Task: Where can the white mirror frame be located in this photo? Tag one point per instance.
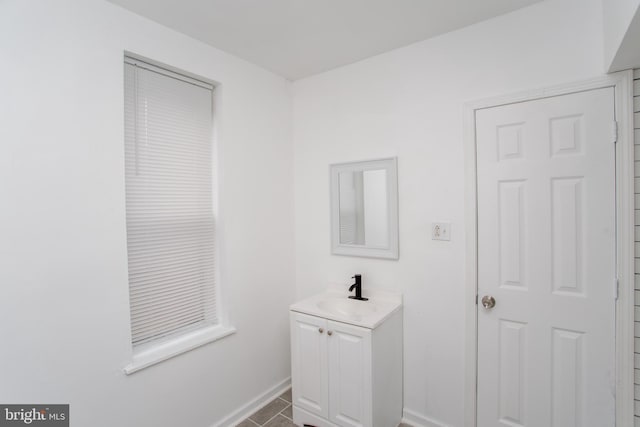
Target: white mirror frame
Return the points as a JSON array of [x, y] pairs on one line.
[[390, 165]]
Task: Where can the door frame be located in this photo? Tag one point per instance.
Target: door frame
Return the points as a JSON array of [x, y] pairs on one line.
[[622, 82]]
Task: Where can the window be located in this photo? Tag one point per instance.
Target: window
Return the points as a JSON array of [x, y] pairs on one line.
[[171, 231]]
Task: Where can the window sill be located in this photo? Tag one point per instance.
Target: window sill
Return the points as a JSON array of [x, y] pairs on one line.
[[166, 350]]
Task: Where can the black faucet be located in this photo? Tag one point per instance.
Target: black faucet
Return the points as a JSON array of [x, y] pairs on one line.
[[358, 286]]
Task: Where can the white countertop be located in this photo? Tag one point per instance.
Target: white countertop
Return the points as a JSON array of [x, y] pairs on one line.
[[334, 304]]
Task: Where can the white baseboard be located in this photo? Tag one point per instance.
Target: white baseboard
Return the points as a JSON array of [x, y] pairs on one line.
[[246, 410], [419, 420]]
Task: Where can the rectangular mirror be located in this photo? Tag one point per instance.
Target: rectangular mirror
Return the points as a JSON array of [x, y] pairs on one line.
[[364, 208]]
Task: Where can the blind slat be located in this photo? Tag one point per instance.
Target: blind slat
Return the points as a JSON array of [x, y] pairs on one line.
[[143, 301], [181, 324], [168, 308], [177, 275]]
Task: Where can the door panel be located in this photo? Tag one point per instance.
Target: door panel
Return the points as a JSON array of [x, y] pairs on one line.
[[309, 363], [566, 235], [350, 392], [546, 253], [511, 198], [512, 371], [567, 378]]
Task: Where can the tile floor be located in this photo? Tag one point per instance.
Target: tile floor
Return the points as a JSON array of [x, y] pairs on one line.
[[276, 413]]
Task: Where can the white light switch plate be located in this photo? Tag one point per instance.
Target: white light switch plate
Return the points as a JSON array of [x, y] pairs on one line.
[[441, 231]]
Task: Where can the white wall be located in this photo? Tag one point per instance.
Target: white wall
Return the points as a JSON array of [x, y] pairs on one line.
[[64, 327], [409, 103], [617, 19]]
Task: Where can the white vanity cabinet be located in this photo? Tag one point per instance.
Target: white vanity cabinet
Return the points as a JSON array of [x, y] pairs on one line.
[[346, 375]]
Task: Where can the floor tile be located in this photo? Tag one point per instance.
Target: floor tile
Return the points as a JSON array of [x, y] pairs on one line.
[[286, 396], [247, 423], [288, 412], [266, 413], [280, 421]]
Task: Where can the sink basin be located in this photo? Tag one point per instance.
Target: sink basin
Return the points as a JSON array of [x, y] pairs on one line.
[[350, 308], [334, 304]]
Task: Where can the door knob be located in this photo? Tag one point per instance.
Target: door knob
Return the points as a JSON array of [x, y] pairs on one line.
[[488, 301]]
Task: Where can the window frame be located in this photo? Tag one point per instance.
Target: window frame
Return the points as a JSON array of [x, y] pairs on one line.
[[164, 348]]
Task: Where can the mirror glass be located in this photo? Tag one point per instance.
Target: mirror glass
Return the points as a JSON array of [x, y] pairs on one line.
[[365, 208]]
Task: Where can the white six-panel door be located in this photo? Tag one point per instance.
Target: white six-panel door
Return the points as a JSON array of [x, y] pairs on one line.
[[546, 254]]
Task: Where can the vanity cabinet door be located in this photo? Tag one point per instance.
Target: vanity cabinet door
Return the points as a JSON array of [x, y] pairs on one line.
[[350, 391], [309, 375]]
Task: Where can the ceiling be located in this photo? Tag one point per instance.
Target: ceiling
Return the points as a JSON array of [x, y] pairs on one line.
[[299, 38]]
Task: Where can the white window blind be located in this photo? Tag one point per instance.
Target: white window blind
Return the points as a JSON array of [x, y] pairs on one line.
[[169, 199]]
